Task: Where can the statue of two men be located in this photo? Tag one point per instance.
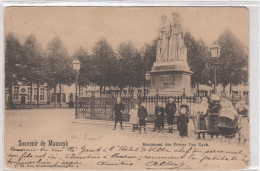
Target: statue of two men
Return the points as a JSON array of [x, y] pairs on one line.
[[171, 45]]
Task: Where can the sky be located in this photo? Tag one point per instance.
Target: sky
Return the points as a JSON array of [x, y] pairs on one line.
[[84, 26]]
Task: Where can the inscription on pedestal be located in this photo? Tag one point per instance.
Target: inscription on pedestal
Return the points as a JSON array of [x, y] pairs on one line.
[[163, 81]]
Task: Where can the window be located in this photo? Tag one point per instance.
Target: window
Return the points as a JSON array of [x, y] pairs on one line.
[[48, 96], [16, 92], [125, 92], [235, 93], [29, 93], [245, 93], [52, 97], [42, 94], [35, 94], [64, 97]]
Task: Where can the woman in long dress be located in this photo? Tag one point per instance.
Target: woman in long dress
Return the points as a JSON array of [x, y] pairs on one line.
[[242, 110], [212, 115]]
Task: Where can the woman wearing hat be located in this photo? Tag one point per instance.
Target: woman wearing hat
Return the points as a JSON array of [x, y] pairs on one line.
[[242, 110], [213, 113]]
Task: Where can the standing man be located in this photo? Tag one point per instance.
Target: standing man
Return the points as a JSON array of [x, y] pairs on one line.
[[170, 110], [118, 111]]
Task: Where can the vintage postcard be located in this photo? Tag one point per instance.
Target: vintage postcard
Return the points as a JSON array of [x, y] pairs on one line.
[[126, 88]]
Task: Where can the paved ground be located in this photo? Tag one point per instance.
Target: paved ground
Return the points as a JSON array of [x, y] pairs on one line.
[[61, 122], [60, 125]]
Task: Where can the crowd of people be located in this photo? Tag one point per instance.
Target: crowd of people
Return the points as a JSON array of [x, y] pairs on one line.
[[202, 118]]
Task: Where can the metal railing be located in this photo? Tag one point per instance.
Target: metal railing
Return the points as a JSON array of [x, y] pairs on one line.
[[102, 107]]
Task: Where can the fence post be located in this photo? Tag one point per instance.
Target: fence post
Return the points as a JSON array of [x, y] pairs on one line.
[[92, 106], [156, 98]]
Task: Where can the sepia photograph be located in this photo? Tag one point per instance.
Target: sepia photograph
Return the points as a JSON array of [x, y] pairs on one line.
[[126, 88]]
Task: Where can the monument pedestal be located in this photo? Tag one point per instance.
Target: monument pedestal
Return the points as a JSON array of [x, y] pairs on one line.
[[171, 74], [171, 78]]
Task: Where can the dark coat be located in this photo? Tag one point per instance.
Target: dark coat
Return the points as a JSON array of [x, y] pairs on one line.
[[118, 108], [170, 109], [160, 110], [182, 124], [159, 113], [142, 112], [214, 107]]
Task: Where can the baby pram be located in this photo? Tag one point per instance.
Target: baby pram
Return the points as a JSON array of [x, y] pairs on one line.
[[228, 123]]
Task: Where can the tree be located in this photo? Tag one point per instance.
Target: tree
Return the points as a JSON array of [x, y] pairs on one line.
[[104, 68], [59, 64], [197, 55], [149, 55], [233, 59], [34, 64], [125, 62], [13, 64]]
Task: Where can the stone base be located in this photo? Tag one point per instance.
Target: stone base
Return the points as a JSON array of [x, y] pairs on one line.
[[170, 79]]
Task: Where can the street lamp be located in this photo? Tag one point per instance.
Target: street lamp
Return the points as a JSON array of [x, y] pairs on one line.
[[147, 76], [147, 79], [215, 52], [76, 68]]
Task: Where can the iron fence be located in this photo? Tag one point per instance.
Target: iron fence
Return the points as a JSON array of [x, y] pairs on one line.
[[102, 107]]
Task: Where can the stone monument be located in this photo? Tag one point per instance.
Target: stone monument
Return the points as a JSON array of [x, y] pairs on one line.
[[170, 74]]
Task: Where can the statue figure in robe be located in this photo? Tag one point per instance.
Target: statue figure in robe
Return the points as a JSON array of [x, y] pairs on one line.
[[163, 41], [177, 49]]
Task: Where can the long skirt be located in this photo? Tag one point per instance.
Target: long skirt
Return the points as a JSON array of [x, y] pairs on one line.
[[244, 124], [202, 123], [212, 126]]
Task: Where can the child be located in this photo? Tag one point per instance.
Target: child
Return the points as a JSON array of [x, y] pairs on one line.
[[183, 120], [142, 114], [134, 117], [170, 110], [159, 121]]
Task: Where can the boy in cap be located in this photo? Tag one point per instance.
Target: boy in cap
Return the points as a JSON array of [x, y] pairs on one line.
[[170, 110], [159, 121]]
